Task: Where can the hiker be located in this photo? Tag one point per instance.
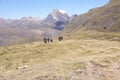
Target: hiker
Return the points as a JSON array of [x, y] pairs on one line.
[[48, 40], [51, 40], [60, 38], [105, 27], [45, 40]]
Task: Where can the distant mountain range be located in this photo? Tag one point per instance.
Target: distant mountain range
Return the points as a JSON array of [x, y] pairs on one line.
[[36, 22], [28, 29]]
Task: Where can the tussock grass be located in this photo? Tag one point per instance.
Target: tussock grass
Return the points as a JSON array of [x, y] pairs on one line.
[[92, 34], [58, 58]]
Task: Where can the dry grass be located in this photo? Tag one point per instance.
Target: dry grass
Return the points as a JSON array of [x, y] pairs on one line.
[[58, 59]]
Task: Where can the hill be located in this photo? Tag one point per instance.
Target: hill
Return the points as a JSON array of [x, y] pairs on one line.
[[71, 59], [101, 19]]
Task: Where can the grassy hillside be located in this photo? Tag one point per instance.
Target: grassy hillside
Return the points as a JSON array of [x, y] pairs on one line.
[[78, 57], [103, 18], [115, 27]]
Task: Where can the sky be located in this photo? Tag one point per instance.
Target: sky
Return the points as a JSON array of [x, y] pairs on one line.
[[15, 9]]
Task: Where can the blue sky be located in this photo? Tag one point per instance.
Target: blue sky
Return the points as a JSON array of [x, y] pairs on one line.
[[16, 9]]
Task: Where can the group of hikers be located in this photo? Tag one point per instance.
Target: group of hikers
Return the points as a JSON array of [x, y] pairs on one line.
[[47, 40]]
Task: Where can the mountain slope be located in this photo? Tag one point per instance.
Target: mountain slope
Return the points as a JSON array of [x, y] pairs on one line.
[[97, 19], [115, 27]]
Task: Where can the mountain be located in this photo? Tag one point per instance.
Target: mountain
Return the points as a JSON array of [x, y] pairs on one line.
[[58, 18], [29, 29], [58, 15], [100, 18], [26, 29], [29, 22]]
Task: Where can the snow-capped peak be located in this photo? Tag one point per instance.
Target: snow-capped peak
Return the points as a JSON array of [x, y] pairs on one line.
[[62, 11], [57, 15]]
